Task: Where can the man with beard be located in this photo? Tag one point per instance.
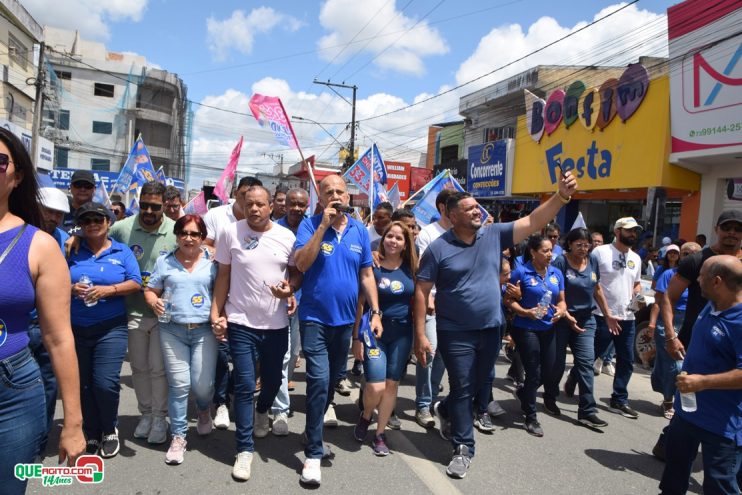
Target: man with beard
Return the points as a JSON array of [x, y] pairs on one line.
[[620, 275], [149, 235]]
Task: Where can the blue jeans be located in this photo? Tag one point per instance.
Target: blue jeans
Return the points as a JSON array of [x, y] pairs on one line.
[[282, 404], [100, 353], [583, 348], [246, 344], [389, 359], [721, 460], [47, 376], [537, 350], [624, 343], [469, 357], [23, 420], [428, 378], [190, 364], [484, 395], [666, 368], [223, 380], [326, 353]]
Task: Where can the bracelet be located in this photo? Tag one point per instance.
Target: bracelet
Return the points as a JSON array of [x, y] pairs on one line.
[[563, 199], [356, 339], [671, 338]]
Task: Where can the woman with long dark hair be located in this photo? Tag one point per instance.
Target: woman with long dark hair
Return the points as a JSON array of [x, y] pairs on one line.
[[31, 259]]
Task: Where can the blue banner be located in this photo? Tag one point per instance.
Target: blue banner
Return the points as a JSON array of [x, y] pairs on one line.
[[425, 210], [379, 166], [61, 177], [487, 169], [360, 173]]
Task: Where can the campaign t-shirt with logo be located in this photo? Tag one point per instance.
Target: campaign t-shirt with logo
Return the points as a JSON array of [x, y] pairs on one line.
[[191, 291], [618, 274], [579, 286], [395, 289], [257, 260], [533, 286], [330, 286]]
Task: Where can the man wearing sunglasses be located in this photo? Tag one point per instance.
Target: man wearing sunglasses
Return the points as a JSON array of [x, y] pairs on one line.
[[82, 187], [149, 234]]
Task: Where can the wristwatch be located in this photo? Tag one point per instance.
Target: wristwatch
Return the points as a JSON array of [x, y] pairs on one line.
[[376, 312]]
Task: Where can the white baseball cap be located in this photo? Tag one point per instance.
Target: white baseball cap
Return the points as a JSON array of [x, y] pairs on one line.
[[54, 199]]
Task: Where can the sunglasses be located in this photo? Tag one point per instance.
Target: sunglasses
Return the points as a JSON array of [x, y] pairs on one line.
[[78, 185], [4, 162], [116, 211], [187, 233], [92, 219], [728, 227], [150, 206]]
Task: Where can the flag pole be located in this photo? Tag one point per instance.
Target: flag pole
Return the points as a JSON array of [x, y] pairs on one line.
[[312, 179]]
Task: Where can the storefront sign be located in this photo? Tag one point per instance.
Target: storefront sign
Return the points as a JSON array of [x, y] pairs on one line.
[[45, 154], [398, 173], [734, 189], [62, 176], [487, 169]]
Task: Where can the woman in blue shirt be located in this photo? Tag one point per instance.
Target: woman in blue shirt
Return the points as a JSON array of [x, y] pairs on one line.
[[385, 359], [581, 292], [670, 260], [189, 347], [99, 323], [533, 326]]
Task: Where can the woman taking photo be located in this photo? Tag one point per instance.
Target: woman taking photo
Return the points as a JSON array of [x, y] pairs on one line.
[[540, 307], [577, 328], [99, 323], [385, 359], [32, 260], [189, 347]]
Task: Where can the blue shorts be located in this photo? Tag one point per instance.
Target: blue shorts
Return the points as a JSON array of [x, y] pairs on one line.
[[388, 360]]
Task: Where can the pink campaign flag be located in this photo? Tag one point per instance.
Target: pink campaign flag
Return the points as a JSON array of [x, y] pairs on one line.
[[196, 206], [224, 184], [269, 110]]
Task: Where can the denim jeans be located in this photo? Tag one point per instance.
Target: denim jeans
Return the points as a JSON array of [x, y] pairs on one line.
[[583, 349], [469, 357], [484, 395], [393, 352], [282, 404], [624, 343], [223, 380], [100, 354], [326, 353], [428, 378], [537, 349], [23, 420], [190, 364], [666, 368], [721, 460], [245, 345], [47, 377]]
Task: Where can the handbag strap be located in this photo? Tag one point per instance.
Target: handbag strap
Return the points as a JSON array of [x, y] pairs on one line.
[[12, 243]]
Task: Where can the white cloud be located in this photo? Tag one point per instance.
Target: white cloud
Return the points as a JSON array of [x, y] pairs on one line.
[[399, 42], [617, 40], [90, 17], [238, 31]]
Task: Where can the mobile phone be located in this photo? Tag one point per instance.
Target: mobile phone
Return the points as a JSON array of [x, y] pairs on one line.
[[343, 208], [561, 171]]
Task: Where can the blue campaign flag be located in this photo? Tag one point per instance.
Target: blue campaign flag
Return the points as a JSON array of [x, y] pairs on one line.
[[378, 166], [425, 210], [380, 194], [145, 170], [138, 167], [393, 195], [360, 173], [160, 174], [133, 206]]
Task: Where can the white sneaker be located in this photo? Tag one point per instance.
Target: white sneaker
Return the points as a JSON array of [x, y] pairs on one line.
[[261, 425], [609, 368], [158, 433], [331, 420], [311, 474], [144, 426], [241, 469], [221, 421], [280, 424], [597, 366]]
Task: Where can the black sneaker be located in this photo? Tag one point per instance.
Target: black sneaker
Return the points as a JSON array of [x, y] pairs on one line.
[[658, 451], [624, 410], [483, 423], [460, 462], [110, 445], [357, 369], [569, 386], [92, 446], [534, 428], [551, 407], [592, 421]]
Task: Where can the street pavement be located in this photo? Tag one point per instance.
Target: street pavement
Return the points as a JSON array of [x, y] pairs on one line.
[[569, 459]]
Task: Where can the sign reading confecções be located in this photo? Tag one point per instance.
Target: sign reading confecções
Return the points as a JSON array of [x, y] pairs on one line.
[[487, 169]]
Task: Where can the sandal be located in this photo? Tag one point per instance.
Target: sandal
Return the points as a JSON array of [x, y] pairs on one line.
[[668, 410]]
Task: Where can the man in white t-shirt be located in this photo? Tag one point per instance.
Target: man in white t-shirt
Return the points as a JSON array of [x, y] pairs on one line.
[[379, 220], [429, 377], [250, 309], [620, 275]]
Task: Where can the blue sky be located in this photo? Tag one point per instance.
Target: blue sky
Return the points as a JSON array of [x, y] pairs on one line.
[[395, 51]]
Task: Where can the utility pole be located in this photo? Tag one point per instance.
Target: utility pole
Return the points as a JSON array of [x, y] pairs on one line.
[[351, 146], [38, 106]]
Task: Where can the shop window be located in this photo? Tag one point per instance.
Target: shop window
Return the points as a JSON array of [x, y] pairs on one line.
[[63, 120], [101, 164], [61, 157], [497, 133], [102, 89], [102, 127]]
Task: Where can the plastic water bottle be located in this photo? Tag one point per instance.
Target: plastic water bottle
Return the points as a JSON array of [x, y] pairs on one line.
[[168, 303], [543, 305], [688, 399], [84, 279]]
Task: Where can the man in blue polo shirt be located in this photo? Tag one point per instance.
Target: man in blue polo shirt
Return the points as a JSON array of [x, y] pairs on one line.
[[334, 253], [712, 371], [463, 263]]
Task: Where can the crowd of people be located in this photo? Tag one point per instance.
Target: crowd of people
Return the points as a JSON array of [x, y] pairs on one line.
[[223, 308]]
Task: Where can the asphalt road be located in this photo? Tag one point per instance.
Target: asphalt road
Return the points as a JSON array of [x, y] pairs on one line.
[[569, 459]]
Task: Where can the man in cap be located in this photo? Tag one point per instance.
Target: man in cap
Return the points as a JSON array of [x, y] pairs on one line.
[[82, 187], [620, 275]]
